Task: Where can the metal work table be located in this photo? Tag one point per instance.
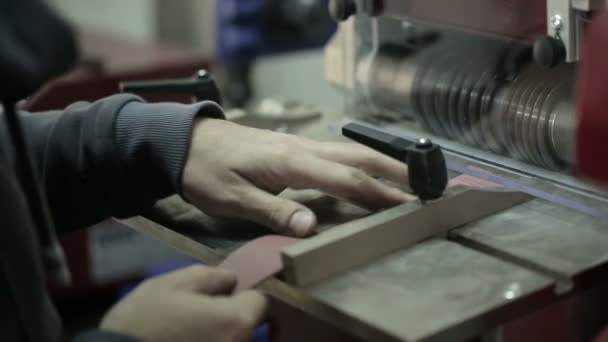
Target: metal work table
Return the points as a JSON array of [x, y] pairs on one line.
[[487, 274]]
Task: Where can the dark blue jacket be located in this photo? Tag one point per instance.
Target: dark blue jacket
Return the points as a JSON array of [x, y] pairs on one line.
[[114, 157]]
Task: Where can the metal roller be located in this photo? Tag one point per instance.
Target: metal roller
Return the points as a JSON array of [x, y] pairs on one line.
[[462, 94]]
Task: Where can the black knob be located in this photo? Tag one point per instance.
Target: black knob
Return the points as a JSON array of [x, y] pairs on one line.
[[428, 174], [201, 86], [341, 10], [427, 171], [206, 88], [549, 52]]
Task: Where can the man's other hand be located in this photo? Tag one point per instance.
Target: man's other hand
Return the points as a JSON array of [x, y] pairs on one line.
[[236, 171], [192, 304]]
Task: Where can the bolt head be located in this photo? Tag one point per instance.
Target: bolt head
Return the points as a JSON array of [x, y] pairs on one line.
[[557, 21], [424, 143]]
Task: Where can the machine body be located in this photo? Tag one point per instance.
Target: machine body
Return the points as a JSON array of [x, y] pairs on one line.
[[515, 93], [504, 77]]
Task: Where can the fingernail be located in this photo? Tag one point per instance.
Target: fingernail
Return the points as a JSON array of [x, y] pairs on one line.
[[302, 222]]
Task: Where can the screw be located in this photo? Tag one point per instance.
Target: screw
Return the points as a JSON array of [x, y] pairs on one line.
[[557, 22], [202, 73], [424, 143]]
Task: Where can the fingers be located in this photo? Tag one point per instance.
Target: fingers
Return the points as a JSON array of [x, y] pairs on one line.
[[362, 157], [202, 279], [279, 214], [344, 182], [241, 314], [253, 303]]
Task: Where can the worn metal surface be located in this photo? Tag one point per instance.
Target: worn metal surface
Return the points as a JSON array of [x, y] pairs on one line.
[[559, 240], [432, 290], [224, 236]]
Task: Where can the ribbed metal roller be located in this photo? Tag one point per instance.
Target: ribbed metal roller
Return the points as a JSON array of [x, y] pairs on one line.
[[516, 110], [459, 91]]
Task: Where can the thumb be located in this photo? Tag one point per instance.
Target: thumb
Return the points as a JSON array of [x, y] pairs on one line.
[[202, 279], [279, 214], [252, 304], [240, 314]]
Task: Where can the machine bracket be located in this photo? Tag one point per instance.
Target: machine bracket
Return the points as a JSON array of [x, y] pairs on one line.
[[564, 23]]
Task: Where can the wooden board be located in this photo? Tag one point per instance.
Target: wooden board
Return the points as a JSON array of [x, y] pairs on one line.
[[357, 242]]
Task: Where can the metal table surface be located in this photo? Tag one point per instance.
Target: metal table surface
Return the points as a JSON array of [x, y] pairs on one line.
[[493, 271], [551, 239], [436, 290]]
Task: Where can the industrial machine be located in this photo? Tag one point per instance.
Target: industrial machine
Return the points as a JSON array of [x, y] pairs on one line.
[[503, 85], [515, 94], [504, 96]]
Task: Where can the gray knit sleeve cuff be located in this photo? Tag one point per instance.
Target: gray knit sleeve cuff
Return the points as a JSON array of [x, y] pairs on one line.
[[154, 139]]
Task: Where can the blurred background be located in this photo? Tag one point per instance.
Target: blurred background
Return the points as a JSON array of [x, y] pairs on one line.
[[283, 48]]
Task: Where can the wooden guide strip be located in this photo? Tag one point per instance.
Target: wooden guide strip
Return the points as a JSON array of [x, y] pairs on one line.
[[357, 242]]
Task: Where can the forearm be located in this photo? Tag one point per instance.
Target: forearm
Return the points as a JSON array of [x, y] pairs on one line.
[[113, 157]]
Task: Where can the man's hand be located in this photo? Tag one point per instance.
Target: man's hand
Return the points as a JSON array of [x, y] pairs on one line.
[[192, 304], [236, 171]]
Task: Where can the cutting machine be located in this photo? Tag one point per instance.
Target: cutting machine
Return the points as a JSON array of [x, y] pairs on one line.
[[513, 93], [507, 95], [517, 78]]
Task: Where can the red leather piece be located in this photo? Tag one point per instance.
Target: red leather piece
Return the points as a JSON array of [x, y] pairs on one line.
[[257, 260]]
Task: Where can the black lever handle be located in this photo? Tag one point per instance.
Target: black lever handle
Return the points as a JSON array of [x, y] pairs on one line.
[[428, 175], [201, 86]]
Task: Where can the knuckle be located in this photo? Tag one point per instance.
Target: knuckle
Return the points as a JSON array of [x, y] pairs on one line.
[[232, 197], [359, 186], [276, 216], [370, 160], [290, 158], [283, 150], [358, 177], [291, 154]]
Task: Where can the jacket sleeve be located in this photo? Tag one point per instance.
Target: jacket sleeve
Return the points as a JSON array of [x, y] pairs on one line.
[[113, 157]]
